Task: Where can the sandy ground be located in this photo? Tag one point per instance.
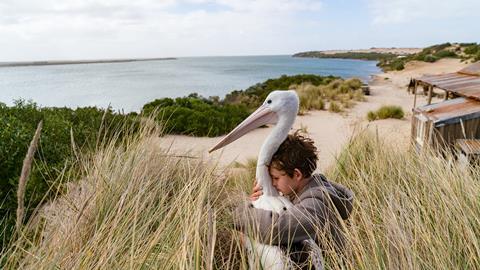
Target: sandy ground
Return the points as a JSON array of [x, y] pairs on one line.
[[330, 131]]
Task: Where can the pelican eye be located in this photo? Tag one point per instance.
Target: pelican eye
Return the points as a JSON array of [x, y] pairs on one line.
[[269, 101]]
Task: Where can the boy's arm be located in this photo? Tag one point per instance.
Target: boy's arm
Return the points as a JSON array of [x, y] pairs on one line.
[[297, 223]]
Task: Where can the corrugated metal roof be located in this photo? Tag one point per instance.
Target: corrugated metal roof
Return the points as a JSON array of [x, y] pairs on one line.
[[469, 146], [451, 110], [465, 82]]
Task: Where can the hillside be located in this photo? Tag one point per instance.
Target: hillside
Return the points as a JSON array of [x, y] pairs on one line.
[[396, 58]]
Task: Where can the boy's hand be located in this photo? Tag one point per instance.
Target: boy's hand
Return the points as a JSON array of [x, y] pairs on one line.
[[256, 192]]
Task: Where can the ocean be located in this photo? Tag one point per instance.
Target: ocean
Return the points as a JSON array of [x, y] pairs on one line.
[[128, 86]]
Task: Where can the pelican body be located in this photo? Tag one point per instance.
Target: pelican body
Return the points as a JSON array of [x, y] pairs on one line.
[[280, 108]]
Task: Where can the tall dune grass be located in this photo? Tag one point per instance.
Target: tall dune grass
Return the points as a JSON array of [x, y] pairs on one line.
[[412, 211], [343, 93], [135, 206]]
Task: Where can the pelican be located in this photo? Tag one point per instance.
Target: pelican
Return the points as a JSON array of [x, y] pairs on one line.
[[280, 108]]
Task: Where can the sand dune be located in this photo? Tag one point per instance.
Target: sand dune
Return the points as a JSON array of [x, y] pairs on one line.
[[330, 131]]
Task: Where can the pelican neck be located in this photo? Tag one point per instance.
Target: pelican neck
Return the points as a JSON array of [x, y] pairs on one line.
[[268, 149]]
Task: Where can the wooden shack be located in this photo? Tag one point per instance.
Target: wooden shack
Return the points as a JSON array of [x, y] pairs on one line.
[[440, 125], [463, 83]]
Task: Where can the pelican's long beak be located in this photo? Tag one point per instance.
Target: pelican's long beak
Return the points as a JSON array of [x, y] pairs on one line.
[[262, 116]]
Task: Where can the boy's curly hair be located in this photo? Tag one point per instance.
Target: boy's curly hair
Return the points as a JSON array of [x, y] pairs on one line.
[[296, 152]]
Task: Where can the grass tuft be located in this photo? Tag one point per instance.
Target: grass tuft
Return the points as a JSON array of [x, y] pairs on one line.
[[346, 92], [386, 112]]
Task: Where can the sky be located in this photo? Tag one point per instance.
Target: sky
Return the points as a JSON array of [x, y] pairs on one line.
[[106, 29]]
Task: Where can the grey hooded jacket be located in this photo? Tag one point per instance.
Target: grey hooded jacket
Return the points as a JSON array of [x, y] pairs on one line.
[[315, 214]]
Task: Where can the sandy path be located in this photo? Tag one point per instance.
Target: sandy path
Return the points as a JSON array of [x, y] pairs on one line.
[[330, 131]]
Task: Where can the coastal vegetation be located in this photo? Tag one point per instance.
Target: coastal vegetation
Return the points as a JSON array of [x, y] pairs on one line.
[[373, 56], [384, 112], [196, 115], [392, 61], [138, 206], [254, 95], [199, 116], [65, 132], [464, 51]]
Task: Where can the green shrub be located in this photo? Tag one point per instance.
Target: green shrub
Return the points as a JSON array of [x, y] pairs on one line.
[[390, 112], [445, 53], [17, 126], [472, 49], [386, 112], [195, 115], [439, 47], [397, 65], [430, 58]]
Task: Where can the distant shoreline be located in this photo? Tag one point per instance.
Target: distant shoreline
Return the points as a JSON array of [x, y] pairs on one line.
[[396, 51], [78, 62]]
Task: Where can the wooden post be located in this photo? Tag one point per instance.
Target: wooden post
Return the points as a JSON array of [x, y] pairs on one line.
[[411, 84], [430, 93], [430, 132], [415, 94]]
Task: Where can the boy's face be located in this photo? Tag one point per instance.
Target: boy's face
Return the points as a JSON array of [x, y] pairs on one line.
[[283, 182]]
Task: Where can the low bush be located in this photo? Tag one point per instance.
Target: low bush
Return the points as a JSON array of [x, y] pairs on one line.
[[445, 53], [430, 58], [195, 115], [397, 64], [472, 49]]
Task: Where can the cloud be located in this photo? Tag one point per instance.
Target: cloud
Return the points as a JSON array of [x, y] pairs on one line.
[[401, 11], [148, 28]]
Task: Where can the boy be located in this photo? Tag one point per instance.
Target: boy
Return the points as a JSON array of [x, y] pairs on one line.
[[316, 201]]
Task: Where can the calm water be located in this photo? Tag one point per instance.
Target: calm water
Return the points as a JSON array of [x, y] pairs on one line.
[[129, 86]]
